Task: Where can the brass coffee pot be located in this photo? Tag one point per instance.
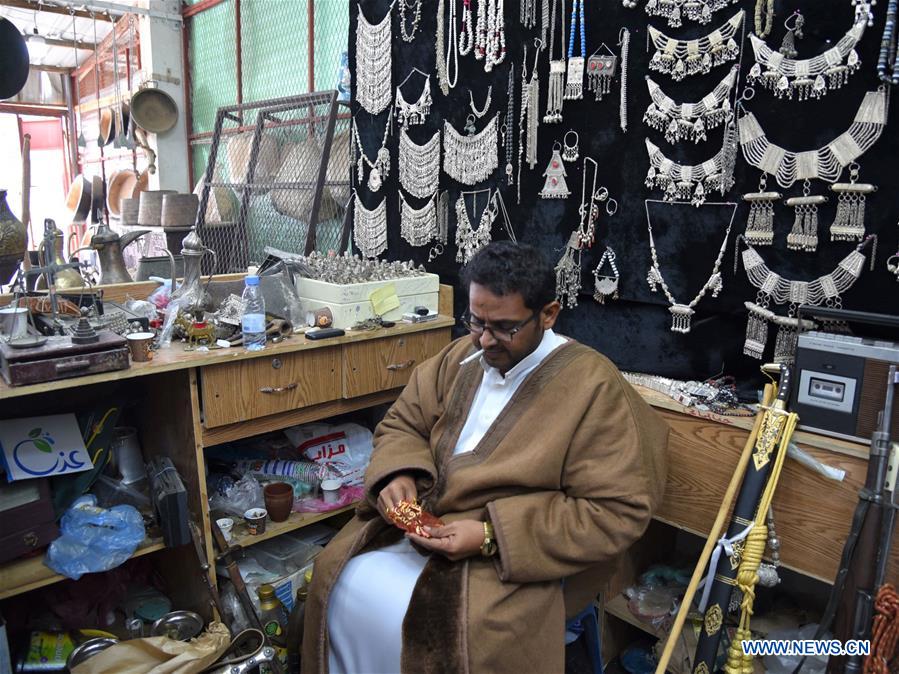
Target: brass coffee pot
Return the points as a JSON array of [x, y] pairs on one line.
[[192, 292], [66, 277], [109, 245]]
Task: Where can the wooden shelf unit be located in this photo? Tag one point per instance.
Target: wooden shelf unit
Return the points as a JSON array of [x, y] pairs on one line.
[[242, 537]]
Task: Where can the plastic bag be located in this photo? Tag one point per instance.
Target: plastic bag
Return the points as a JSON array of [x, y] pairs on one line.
[[344, 448], [94, 539], [238, 497]]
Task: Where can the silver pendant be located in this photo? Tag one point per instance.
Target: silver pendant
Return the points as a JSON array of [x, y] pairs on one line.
[[374, 179]]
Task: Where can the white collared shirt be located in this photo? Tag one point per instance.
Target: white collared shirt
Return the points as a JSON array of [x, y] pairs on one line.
[[497, 390]]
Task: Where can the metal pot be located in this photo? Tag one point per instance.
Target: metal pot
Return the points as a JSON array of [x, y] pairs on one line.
[[14, 57], [107, 126], [78, 199], [153, 109], [87, 650], [121, 186]]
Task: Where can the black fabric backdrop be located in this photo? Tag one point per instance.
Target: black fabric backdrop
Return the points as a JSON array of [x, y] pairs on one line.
[[635, 330]]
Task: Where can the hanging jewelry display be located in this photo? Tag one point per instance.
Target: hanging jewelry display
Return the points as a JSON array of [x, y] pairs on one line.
[[415, 6], [413, 114], [574, 81], [528, 13], [682, 58], [794, 32], [606, 285], [772, 286], [695, 10], [570, 152], [468, 239], [555, 186], [466, 32], [508, 126], [887, 62], [419, 165], [682, 314], [804, 234], [418, 226], [624, 42], [554, 93], [689, 121], [893, 265], [601, 71], [764, 17], [470, 159], [370, 228], [442, 56], [810, 78], [442, 226], [568, 269], [682, 182], [379, 169], [530, 99], [373, 64], [825, 163], [760, 226], [483, 111], [494, 47], [849, 224]]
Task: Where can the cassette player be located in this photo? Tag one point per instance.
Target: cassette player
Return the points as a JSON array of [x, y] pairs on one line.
[[839, 382]]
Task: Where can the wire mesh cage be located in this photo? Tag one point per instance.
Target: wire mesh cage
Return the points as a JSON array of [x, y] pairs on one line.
[[278, 175]]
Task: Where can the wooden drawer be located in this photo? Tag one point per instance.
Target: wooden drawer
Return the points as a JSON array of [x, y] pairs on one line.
[[257, 387], [382, 364]]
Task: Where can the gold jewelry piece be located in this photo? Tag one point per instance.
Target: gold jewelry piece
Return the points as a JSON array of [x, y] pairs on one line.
[[488, 547]]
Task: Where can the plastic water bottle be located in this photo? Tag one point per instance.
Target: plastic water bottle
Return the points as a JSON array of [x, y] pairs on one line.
[[252, 320]]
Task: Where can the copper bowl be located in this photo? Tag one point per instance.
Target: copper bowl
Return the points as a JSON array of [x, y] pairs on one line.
[[78, 200], [121, 186], [107, 126]]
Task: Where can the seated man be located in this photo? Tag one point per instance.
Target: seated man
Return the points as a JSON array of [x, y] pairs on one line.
[[543, 464]]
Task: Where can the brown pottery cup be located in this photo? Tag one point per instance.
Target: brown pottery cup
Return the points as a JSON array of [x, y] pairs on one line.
[[278, 500]]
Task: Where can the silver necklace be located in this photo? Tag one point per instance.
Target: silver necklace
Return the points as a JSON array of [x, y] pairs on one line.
[[689, 121], [814, 77], [370, 228], [414, 5], [695, 10], [472, 158], [683, 182], [624, 42], [530, 100], [419, 165], [554, 96], [379, 169], [606, 285], [508, 126], [418, 226], [452, 51], [373, 63], [490, 34], [470, 240], [568, 269], [682, 58], [528, 13], [483, 111], [682, 314], [413, 114], [440, 48]]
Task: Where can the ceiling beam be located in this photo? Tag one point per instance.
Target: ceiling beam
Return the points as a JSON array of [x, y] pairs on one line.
[[52, 9], [56, 42], [52, 69]]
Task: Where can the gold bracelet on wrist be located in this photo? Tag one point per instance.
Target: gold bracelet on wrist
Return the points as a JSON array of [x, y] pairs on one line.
[[488, 547]]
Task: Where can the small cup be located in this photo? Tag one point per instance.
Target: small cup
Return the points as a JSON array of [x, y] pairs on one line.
[[331, 491], [140, 344], [255, 519], [278, 500], [226, 524], [13, 322]]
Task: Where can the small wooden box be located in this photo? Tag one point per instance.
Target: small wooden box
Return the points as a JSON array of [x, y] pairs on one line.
[[26, 518], [60, 359]]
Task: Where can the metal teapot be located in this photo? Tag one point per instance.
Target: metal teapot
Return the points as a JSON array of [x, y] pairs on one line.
[[66, 278], [109, 245], [192, 292]]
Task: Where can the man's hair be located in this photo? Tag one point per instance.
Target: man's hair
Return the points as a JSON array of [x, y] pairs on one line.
[[506, 268]]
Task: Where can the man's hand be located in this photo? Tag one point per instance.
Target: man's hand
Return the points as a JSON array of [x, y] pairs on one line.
[[455, 541], [400, 488]]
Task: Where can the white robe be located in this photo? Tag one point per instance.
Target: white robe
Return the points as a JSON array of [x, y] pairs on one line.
[[371, 595]]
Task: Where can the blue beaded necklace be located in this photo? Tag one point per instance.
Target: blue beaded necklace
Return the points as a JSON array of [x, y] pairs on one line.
[[575, 4]]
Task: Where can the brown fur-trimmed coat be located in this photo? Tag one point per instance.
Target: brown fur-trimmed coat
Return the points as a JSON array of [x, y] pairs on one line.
[[569, 474]]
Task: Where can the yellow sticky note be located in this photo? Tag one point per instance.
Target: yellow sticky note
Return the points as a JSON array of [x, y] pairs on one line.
[[384, 299]]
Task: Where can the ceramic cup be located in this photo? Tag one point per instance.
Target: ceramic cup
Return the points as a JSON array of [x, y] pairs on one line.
[[255, 519], [226, 524], [13, 322], [331, 491], [278, 500], [141, 346]]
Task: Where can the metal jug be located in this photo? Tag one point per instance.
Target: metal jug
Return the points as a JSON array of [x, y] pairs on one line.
[[109, 245], [191, 292], [66, 278]]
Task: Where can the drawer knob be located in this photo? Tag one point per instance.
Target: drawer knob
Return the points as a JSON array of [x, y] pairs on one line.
[[278, 389], [30, 539], [276, 363], [401, 366]]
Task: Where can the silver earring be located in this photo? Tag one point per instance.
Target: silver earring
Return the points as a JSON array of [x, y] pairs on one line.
[[794, 32], [570, 152]]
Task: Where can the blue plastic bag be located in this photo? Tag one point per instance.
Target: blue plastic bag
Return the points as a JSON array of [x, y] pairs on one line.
[[94, 539]]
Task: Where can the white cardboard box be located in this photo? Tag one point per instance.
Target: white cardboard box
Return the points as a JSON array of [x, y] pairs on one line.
[[350, 303]]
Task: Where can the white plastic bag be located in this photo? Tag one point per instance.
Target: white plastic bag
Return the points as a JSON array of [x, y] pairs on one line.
[[344, 448]]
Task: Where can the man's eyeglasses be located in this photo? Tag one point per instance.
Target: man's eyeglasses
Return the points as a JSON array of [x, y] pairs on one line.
[[501, 334]]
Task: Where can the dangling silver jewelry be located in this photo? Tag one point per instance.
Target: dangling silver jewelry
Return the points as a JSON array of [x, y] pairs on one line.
[[418, 226], [413, 114], [472, 158], [570, 152], [466, 32], [370, 228], [695, 10], [624, 41], [690, 121], [606, 285], [794, 32], [409, 35], [509, 128], [380, 167], [601, 71], [682, 58], [530, 100], [419, 165], [849, 224], [682, 182], [574, 82], [804, 235], [555, 186], [682, 314], [468, 239], [760, 226], [373, 63], [554, 96], [442, 226], [483, 111]]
